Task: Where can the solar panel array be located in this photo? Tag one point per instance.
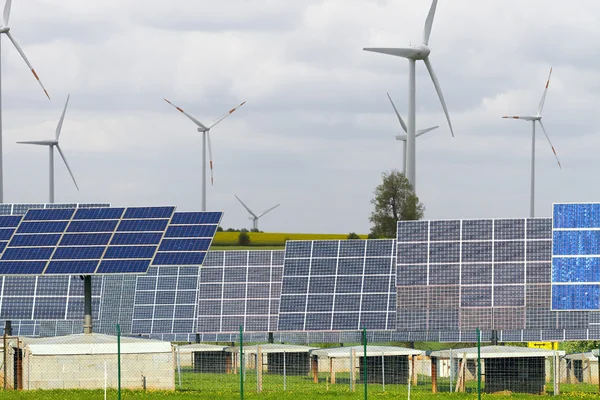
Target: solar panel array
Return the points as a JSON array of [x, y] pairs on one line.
[[576, 257], [338, 285], [85, 241], [489, 274], [240, 288]]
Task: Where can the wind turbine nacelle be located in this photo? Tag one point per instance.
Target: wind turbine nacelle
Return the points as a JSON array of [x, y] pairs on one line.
[[423, 51], [4, 29], [402, 137], [202, 130]]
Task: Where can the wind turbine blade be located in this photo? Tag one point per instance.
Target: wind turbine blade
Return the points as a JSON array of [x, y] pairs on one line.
[[12, 39], [398, 114], [541, 108], [7, 7], [227, 114], [398, 52], [439, 91], [524, 118], [67, 165], [246, 207], [424, 131], [39, 142], [212, 180], [62, 118], [200, 124], [270, 209], [551, 145], [429, 22]]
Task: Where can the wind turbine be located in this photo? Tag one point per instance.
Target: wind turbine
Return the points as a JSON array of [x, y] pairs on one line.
[[6, 30], [206, 136], [418, 52], [255, 217], [52, 143], [403, 138], [534, 119]]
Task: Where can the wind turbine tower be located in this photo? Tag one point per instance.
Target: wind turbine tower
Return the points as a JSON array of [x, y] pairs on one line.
[[534, 119], [413, 54], [255, 217], [205, 130], [52, 143], [403, 138], [5, 29]]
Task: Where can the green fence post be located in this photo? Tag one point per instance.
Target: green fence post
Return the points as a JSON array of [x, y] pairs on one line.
[[241, 363], [119, 361], [478, 364], [364, 337]]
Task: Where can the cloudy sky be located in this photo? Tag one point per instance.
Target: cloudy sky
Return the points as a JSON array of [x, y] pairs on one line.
[[317, 130]]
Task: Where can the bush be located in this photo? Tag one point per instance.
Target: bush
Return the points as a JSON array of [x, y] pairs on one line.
[[244, 238], [353, 235]]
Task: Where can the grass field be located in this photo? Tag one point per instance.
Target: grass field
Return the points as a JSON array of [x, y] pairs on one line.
[[226, 387], [264, 240]]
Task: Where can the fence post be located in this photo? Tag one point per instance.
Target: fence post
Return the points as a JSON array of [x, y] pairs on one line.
[[241, 363], [118, 362], [364, 337], [478, 364], [284, 372]]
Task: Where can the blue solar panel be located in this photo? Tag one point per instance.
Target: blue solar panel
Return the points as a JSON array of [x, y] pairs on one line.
[[179, 258], [78, 253], [6, 234], [136, 238], [42, 227], [36, 240], [184, 245], [123, 266], [99, 213], [71, 267], [49, 215], [141, 225], [93, 226], [184, 231], [576, 257], [196, 218], [85, 239], [148, 212], [127, 252], [28, 253], [10, 221]]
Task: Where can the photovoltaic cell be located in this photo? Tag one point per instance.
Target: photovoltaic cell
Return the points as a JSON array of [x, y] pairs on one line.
[[338, 286], [576, 257]]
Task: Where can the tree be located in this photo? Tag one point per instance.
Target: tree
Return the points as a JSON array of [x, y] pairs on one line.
[[244, 238], [353, 235], [395, 200], [219, 229]]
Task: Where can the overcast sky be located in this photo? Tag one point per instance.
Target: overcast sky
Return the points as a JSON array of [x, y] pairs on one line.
[[317, 130]]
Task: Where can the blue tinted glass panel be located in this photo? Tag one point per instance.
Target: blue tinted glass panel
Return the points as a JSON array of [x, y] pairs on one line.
[[10, 221], [22, 267], [194, 218], [49, 215], [35, 240], [136, 238], [576, 243], [575, 297], [99, 213], [2, 246], [6, 234], [42, 227], [71, 267], [576, 215], [146, 225], [85, 239], [78, 253], [149, 212], [163, 258], [123, 267], [92, 226], [184, 245], [578, 269], [130, 252], [35, 253], [183, 231]]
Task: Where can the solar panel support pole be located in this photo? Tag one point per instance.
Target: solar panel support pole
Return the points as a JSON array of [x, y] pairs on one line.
[[87, 306]]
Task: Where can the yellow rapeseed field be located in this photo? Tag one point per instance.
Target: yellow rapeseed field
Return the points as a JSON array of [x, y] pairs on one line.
[[274, 239]]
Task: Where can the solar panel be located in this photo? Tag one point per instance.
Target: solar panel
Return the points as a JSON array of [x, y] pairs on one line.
[[576, 257], [339, 285], [85, 241], [489, 274], [240, 288], [45, 298]]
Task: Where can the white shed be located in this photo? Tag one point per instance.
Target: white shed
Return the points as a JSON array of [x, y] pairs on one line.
[[204, 358], [86, 361], [581, 368]]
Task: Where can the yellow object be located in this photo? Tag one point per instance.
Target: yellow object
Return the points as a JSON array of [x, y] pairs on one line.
[[543, 345], [274, 239]]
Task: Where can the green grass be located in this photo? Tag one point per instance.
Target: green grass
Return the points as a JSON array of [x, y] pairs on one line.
[[226, 387]]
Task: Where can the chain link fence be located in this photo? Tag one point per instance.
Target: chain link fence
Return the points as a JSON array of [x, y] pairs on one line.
[[350, 370]]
